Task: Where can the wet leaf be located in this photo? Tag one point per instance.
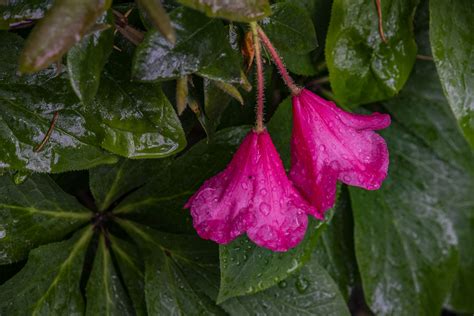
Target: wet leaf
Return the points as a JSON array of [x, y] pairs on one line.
[[201, 46], [111, 182], [49, 283], [248, 269], [131, 269], [451, 38], [34, 213], [63, 25], [290, 29], [335, 248], [242, 11], [311, 291], [174, 265], [166, 196], [86, 60], [159, 18], [19, 10], [129, 119], [105, 293], [362, 68], [409, 232]]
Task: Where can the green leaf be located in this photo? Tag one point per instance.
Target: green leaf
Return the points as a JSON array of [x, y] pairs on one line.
[[362, 68], [104, 292], [242, 11], [109, 183], [310, 292], [160, 19], [86, 60], [408, 233], [131, 269], [280, 127], [290, 29], [130, 119], [174, 266], [201, 45], [166, 196], [63, 26], [49, 283], [247, 269], [20, 10], [34, 213], [335, 248], [451, 38]]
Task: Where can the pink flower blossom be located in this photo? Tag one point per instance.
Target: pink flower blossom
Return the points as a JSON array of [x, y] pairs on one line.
[[329, 144], [252, 195]]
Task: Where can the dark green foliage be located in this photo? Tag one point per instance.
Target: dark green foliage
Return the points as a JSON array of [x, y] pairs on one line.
[[114, 239]]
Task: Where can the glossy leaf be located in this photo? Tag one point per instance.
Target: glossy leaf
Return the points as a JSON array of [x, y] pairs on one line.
[[20, 10], [247, 269], [111, 182], [174, 264], [311, 291], [201, 45], [242, 11], [131, 269], [86, 60], [104, 292], [114, 120], [290, 28], [451, 38], [408, 232], [49, 283], [166, 196], [34, 213], [63, 26], [362, 68], [335, 248], [159, 18]]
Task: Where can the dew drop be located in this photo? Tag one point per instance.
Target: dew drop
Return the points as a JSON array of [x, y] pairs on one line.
[[264, 208], [302, 284]]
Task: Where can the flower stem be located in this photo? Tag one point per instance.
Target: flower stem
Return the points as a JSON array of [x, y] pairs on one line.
[[295, 90], [379, 14], [260, 80]]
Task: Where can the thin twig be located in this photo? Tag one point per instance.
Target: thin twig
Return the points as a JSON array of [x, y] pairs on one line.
[[48, 133], [424, 57], [379, 13]]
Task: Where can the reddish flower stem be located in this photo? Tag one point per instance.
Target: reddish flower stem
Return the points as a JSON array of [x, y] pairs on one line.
[[260, 79], [295, 90]]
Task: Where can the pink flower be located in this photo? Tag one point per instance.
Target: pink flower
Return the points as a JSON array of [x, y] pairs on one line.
[[252, 195], [329, 144]]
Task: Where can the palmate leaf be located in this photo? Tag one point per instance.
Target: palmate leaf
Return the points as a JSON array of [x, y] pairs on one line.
[[34, 213], [131, 268], [174, 266], [49, 283], [105, 294], [129, 119], [409, 232], [362, 68], [166, 195]]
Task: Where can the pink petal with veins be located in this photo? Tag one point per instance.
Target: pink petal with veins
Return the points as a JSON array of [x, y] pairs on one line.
[[329, 144], [252, 195]]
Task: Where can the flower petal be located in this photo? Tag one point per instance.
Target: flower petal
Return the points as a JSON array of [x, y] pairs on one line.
[[253, 195], [329, 144]]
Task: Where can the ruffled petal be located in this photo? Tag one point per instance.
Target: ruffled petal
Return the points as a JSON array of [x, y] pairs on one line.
[[253, 195], [329, 144]]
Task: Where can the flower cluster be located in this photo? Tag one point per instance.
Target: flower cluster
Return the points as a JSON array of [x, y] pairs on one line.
[[254, 195]]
